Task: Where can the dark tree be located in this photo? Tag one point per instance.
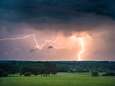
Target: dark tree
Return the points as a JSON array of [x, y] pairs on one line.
[[3, 73], [109, 74], [94, 73], [27, 74]]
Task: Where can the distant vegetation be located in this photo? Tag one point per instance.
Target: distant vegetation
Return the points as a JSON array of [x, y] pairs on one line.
[[27, 74], [109, 74], [28, 68], [3, 73], [94, 73]]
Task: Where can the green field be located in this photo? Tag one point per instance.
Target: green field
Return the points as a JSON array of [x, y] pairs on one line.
[[61, 79]]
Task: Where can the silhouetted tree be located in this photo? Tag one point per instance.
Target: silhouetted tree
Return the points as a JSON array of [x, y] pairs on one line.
[[109, 74], [94, 73], [3, 73], [27, 74]]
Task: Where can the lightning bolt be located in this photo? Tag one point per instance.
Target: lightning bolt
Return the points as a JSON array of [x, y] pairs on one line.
[[82, 48], [43, 44], [37, 46], [15, 38]]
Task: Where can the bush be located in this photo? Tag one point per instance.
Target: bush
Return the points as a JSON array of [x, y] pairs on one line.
[[94, 73], [35, 73], [108, 74], [21, 74], [3, 73], [27, 74]]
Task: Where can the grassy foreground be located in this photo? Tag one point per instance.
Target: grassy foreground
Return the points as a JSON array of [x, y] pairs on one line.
[[61, 79]]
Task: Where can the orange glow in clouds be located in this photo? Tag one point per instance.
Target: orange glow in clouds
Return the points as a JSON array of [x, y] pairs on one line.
[[82, 40], [82, 48], [76, 44]]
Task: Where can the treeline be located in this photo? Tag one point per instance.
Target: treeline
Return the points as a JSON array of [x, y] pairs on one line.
[[43, 69], [28, 68]]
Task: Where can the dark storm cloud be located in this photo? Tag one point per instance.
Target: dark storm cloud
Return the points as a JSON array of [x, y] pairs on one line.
[[61, 13], [57, 9], [19, 16]]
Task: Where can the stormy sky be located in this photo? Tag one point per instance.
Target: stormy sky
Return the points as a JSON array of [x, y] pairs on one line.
[[57, 20]]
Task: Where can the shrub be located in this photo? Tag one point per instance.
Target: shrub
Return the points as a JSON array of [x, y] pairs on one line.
[[94, 73], [3, 73], [35, 73], [27, 74], [109, 74], [21, 74]]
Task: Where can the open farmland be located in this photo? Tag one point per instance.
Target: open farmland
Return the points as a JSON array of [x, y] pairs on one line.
[[61, 79]]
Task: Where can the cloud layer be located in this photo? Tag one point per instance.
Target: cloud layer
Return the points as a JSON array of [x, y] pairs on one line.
[[47, 18]]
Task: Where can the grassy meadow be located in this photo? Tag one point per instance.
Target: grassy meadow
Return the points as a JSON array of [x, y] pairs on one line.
[[61, 79]]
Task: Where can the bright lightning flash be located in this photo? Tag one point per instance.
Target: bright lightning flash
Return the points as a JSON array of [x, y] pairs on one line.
[[75, 39], [82, 48], [42, 45], [37, 46]]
